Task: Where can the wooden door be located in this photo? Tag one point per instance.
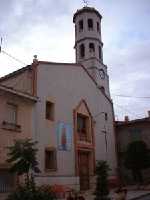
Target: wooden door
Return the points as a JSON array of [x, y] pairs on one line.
[[84, 170]]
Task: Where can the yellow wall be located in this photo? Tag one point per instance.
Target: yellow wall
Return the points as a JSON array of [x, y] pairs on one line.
[[22, 82], [24, 119]]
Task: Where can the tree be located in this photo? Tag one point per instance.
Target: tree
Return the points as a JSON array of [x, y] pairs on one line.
[[102, 190], [137, 158], [22, 156]]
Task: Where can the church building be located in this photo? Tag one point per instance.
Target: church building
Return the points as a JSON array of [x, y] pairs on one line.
[[73, 119]]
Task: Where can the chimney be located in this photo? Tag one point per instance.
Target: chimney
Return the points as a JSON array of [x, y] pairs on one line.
[[126, 118], [149, 113]]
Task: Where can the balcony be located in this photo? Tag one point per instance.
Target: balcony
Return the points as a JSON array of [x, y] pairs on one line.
[[83, 136], [11, 126]]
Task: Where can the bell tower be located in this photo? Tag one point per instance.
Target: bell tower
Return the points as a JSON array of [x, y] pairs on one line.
[[89, 46]]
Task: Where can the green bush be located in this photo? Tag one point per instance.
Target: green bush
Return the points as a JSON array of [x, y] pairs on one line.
[[22, 156], [102, 190], [29, 192], [23, 159]]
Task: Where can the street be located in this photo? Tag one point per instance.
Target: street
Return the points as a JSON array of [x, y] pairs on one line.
[[147, 197]]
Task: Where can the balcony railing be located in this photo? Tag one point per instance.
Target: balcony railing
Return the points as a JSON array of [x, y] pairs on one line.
[[83, 136], [7, 182], [4, 188], [11, 126]]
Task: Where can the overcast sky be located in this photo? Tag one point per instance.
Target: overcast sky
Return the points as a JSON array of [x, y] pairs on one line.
[[45, 28]]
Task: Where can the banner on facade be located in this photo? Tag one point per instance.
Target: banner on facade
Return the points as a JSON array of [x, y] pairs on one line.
[[64, 136]]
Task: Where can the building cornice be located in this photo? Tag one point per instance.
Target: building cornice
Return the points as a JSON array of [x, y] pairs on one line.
[[86, 9], [88, 38]]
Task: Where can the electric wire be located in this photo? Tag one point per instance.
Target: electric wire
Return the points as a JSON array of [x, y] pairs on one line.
[[128, 96], [126, 110], [8, 54], [16, 59]]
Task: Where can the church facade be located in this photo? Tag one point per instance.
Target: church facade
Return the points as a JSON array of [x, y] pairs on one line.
[[73, 117]]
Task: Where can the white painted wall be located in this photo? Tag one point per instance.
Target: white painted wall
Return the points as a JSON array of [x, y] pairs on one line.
[[66, 85], [85, 16], [91, 60], [24, 119]]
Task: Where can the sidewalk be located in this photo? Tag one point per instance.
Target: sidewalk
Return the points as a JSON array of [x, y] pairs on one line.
[[131, 195]]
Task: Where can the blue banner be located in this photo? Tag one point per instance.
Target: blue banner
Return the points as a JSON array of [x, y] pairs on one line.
[[64, 136]]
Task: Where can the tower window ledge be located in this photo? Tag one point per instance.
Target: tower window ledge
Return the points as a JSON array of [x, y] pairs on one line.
[[80, 30], [90, 29]]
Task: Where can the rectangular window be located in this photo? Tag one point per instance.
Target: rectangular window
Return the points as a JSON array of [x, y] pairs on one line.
[[82, 51], [10, 121], [100, 52], [83, 127], [90, 24], [50, 159], [98, 28], [91, 47], [80, 25], [49, 110], [75, 30], [11, 113]]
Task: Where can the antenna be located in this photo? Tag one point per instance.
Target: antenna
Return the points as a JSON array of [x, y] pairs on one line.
[[86, 2], [12, 57], [1, 44]]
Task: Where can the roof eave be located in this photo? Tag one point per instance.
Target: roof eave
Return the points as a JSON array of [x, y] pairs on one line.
[[18, 93]]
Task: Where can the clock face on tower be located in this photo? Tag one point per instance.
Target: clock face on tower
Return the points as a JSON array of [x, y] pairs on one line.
[[101, 73]]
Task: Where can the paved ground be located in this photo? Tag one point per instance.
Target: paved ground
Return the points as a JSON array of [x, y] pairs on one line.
[[139, 195], [147, 197], [131, 195]]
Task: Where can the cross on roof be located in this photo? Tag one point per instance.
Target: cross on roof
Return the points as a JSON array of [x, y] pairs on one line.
[[86, 2]]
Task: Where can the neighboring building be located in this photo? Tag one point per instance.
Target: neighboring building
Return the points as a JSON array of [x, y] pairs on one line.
[[126, 132], [74, 120], [16, 122]]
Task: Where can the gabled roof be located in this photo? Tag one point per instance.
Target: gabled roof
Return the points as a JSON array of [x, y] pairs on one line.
[[17, 93], [82, 66], [14, 73]]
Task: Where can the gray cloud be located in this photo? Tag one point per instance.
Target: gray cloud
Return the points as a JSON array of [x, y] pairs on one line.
[[44, 27], [126, 37], [130, 76]]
